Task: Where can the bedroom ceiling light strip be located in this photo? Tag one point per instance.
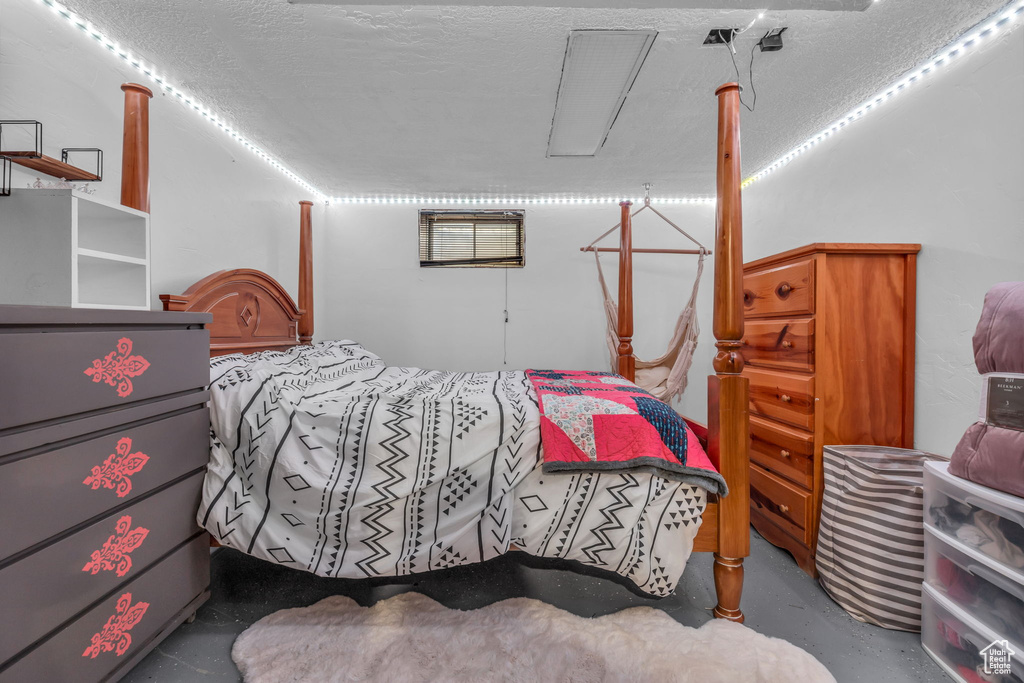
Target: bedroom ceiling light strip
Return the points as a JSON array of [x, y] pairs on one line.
[[185, 98], [598, 70], [980, 34], [513, 199], [191, 102]]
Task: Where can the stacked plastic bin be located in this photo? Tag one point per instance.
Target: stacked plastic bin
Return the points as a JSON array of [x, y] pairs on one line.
[[973, 597]]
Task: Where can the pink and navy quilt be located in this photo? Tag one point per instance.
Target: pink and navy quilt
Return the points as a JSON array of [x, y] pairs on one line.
[[602, 422]]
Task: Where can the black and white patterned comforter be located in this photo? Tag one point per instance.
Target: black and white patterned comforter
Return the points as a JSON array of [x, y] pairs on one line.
[[325, 459]]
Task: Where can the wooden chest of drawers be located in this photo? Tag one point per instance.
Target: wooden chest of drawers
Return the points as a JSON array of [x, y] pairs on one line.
[[104, 438], [829, 351]]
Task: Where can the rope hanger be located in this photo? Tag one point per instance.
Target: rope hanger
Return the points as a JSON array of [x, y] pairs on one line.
[[701, 249], [664, 377]]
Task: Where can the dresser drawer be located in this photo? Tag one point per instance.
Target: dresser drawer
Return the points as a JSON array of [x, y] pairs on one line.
[[59, 374], [786, 505], [49, 492], [783, 396], [41, 591], [785, 344], [783, 450], [784, 290], [111, 632]]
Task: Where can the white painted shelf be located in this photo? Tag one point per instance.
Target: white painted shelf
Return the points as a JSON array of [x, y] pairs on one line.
[[65, 248], [108, 256]]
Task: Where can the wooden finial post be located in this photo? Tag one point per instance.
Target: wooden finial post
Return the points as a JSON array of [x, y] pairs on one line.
[[627, 363], [306, 272], [728, 390], [135, 147], [728, 323]]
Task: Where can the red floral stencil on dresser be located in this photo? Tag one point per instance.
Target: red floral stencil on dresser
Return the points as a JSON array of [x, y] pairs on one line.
[[116, 470], [118, 367], [115, 552], [114, 635]]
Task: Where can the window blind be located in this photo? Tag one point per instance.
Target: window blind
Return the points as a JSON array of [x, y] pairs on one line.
[[493, 239]]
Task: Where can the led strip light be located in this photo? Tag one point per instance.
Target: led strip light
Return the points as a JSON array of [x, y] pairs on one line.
[[982, 32], [191, 102], [185, 98], [1000, 21], [513, 200]]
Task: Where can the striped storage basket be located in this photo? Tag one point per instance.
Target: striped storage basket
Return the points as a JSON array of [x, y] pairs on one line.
[[870, 554]]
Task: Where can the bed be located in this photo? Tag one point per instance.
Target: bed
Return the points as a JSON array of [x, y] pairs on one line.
[[303, 446]]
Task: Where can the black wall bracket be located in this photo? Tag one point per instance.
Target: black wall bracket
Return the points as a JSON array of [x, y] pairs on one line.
[[6, 172], [95, 151]]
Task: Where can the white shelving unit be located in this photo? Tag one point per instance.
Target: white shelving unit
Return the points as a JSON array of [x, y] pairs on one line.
[[65, 248]]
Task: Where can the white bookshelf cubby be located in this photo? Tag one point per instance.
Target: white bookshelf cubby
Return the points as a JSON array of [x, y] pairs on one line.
[[65, 248]]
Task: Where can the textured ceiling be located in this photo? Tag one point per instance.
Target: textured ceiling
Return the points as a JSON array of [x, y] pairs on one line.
[[422, 100], [834, 5]]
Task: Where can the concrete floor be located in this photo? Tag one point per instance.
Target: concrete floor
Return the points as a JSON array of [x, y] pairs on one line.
[[779, 600]]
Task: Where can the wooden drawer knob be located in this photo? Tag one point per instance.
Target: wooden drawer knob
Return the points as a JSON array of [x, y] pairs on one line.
[[786, 398], [783, 509], [787, 344], [784, 289], [784, 453]]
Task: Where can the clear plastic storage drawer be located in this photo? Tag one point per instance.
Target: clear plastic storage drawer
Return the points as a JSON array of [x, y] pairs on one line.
[[963, 646], [982, 587], [975, 516]]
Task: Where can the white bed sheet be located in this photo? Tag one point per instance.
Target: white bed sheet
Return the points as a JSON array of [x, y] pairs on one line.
[[325, 459]]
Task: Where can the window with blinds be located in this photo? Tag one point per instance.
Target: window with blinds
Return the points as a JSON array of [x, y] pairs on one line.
[[488, 239]]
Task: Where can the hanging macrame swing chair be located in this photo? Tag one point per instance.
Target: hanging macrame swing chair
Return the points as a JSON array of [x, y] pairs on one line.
[[665, 376]]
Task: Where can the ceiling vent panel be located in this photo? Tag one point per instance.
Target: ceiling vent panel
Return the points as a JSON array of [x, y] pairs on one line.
[[597, 73]]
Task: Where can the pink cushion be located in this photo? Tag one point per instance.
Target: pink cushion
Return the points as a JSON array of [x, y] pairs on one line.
[[991, 456], [999, 339]]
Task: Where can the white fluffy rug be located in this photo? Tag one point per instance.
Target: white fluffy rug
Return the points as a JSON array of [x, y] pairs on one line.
[[412, 638]]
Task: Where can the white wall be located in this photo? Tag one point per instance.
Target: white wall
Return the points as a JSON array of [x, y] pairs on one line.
[[453, 318], [213, 204], [216, 206], [940, 165]]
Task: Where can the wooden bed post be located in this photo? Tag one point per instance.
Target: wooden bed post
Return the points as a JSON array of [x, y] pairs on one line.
[[306, 272], [627, 363], [728, 418], [135, 147]]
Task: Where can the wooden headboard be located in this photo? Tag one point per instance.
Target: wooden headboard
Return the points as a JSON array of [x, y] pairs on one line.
[[251, 310]]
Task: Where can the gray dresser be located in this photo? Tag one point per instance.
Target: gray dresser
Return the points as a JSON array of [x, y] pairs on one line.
[[104, 437]]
